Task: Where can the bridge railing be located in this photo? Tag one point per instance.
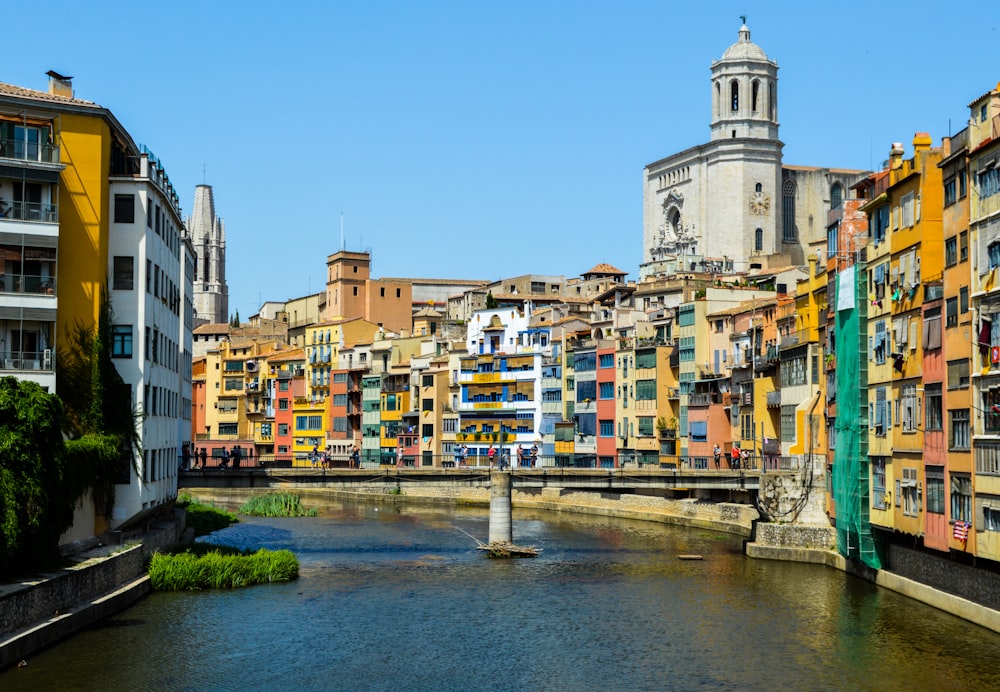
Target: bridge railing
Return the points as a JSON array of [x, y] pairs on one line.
[[623, 461]]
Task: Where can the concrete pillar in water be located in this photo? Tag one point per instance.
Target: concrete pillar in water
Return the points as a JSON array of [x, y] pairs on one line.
[[501, 530]]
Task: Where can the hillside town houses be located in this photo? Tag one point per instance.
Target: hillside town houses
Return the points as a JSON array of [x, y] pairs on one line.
[[843, 323]]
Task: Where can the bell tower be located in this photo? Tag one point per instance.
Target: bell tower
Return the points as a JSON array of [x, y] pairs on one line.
[[744, 92]]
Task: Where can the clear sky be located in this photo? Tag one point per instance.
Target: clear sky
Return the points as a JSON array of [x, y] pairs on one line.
[[478, 140]]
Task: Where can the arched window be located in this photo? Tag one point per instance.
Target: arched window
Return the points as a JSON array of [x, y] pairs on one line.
[[758, 240], [755, 96], [772, 102], [788, 234], [718, 99], [836, 196], [734, 95], [758, 188]]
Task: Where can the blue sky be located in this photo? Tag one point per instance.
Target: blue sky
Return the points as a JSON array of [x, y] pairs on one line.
[[471, 139]]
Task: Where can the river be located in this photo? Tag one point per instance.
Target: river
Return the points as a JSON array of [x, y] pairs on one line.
[[399, 599]]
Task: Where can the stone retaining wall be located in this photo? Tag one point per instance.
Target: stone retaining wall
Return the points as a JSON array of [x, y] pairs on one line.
[[810, 537], [52, 593]]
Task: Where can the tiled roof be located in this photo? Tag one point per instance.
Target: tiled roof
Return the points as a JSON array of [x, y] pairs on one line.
[[21, 92], [216, 328], [604, 268]]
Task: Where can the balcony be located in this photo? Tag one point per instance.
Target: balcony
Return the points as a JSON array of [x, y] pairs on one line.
[[704, 399], [30, 211], [33, 284], [667, 433], [22, 149], [27, 360], [774, 399]]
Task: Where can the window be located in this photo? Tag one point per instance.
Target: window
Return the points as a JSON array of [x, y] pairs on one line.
[[698, 431], [645, 359], [910, 408], [121, 341], [427, 430], [958, 435], [950, 251], [124, 273], [283, 386], [962, 184], [934, 420], [963, 300], [427, 405], [982, 113], [124, 208], [963, 246], [584, 362], [282, 404], [993, 251], [758, 240], [282, 428], [907, 206], [607, 428], [950, 191], [878, 483], [836, 196], [645, 425], [831, 240], [734, 95], [989, 182], [607, 360], [228, 429], [951, 312], [586, 390], [958, 374], [788, 234], [645, 390], [755, 96], [961, 497], [607, 390], [910, 492], [788, 423]]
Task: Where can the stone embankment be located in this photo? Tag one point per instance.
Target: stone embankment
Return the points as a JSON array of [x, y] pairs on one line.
[[38, 612]]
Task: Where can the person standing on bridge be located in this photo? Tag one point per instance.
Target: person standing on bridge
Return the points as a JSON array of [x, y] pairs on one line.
[[204, 457], [734, 458], [490, 453], [718, 455]]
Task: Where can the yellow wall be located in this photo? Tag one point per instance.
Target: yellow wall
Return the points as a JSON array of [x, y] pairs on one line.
[[85, 149]]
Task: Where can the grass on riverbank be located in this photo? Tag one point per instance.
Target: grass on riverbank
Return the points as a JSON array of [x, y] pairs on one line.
[[205, 566], [205, 518], [276, 505]]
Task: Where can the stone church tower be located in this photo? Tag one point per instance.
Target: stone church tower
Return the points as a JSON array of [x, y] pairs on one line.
[[713, 206], [208, 234]]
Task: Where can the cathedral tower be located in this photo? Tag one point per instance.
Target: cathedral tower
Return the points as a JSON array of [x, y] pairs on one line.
[[208, 234]]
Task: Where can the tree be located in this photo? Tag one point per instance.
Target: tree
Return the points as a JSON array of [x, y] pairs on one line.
[[235, 320], [491, 302], [39, 484]]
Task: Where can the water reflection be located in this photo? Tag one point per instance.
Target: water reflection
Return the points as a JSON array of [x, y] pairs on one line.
[[393, 599]]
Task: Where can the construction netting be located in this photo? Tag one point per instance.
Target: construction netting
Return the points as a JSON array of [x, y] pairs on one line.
[[850, 474]]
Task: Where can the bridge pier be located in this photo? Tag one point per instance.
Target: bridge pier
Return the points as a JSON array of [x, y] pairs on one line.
[[501, 530]]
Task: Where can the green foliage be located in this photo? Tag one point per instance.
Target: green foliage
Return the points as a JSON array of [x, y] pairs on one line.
[[220, 567], [39, 486], [276, 505], [205, 518], [491, 302], [98, 406]]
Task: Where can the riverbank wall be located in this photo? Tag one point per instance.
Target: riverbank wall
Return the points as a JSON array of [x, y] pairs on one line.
[[38, 612]]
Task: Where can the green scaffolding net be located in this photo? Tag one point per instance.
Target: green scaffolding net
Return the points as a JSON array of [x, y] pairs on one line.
[[850, 472]]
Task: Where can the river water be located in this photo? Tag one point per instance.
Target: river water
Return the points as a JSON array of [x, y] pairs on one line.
[[399, 599]]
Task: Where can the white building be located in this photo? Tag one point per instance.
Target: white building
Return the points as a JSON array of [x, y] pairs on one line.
[[156, 312], [728, 204]]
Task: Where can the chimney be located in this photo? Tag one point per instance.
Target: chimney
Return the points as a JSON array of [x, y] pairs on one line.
[[896, 156], [60, 85], [921, 141]]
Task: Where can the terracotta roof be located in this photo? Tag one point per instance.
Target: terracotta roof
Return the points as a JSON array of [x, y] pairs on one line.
[[216, 328], [604, 268], [21, 92], [294, 354], [745, 306]]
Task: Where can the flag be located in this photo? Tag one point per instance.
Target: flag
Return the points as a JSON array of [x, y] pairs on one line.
[[961, 531]]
